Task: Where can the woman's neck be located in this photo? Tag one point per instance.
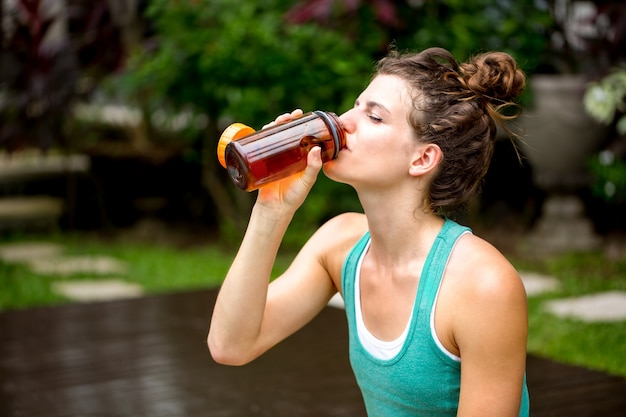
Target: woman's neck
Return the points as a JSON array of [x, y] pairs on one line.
[[400, 229]]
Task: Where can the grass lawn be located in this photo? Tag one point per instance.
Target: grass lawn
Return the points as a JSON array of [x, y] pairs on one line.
[[163, 269], [595, 345]]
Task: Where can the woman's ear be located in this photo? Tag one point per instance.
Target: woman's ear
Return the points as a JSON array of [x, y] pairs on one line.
[[427, 159]]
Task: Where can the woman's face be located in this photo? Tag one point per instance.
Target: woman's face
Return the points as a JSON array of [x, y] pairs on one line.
[[378, 136]]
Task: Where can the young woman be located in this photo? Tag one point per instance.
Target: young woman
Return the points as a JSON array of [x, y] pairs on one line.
[[437, 316]]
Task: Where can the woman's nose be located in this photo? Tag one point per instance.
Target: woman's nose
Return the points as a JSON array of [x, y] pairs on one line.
[[347, 121]]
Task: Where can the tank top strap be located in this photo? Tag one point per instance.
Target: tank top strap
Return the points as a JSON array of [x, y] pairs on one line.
[[350, 265], [435, 265]]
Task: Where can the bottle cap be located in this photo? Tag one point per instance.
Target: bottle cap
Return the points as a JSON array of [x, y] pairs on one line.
[[232, 132]]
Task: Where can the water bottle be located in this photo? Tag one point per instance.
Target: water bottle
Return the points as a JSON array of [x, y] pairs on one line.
[[254, 159]]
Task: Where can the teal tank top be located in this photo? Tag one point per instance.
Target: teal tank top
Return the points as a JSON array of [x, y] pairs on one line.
[[421, 380]]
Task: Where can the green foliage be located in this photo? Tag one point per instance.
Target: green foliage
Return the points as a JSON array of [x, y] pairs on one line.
[[605, 99], [43, 69], [239, 59], [466, 28], [21, 288], [609, 174]]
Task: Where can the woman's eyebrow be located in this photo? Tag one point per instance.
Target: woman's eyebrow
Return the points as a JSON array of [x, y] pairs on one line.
[[373, 105], [377, 105]]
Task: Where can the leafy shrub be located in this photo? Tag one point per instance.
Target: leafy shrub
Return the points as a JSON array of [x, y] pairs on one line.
[[241, 61]]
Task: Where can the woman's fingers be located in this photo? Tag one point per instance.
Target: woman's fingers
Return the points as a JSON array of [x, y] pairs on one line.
[[283, 118]]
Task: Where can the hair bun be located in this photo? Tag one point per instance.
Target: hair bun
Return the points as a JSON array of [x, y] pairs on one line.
[[494, 76]]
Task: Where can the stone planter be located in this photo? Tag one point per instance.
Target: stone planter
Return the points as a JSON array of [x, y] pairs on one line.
[[558, 140]]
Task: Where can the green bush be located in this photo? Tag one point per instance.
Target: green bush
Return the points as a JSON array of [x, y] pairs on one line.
[[241, 61], [609, 177]]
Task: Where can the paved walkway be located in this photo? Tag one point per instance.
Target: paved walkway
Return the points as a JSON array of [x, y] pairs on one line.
[[146, 357], [107, 282]]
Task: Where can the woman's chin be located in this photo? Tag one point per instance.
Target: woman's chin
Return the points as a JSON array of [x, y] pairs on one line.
[[331, 171], [329, 168]]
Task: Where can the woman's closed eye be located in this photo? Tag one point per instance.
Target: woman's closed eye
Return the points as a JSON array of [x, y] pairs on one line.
[[369, 106], [375, 118]]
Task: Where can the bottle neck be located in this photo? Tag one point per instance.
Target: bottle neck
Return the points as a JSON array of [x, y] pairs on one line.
[[336, 130]]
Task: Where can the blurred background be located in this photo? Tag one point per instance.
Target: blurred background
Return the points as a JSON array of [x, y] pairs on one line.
[[110, 110]]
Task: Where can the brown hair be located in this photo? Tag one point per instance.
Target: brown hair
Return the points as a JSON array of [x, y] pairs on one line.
[[457, 107]]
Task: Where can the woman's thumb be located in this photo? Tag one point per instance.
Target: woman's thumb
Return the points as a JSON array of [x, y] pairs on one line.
[[313, 165]]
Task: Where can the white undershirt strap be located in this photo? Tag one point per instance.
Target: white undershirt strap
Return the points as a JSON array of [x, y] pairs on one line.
[[383, 349], [380, 349]]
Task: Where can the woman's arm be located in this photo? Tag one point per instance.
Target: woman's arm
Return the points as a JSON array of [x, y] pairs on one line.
[[251, 315], [491, 327]]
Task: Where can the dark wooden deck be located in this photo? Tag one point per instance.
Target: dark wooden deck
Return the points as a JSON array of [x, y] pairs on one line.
[[148, 357]]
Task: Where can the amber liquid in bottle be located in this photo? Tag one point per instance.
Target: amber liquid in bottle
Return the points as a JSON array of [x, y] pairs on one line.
[[279, 151]]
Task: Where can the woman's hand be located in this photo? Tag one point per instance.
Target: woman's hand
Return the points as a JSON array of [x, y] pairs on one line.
[[291, 191]]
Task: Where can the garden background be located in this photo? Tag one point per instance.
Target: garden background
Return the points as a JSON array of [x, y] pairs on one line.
[[134, 94]]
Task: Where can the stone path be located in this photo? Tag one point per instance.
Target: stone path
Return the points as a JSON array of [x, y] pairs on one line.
[[70, 265], [537, 284], [603, 307], [106, 284], [49, 259], [24, 252], [97, 289]]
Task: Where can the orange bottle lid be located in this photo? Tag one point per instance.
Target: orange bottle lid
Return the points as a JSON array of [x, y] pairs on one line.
[[232, 132]]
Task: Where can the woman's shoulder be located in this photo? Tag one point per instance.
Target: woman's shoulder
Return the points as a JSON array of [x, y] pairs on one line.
[[482, 269]]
